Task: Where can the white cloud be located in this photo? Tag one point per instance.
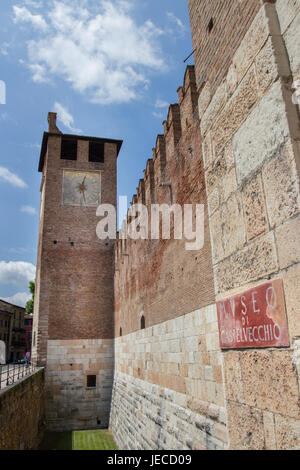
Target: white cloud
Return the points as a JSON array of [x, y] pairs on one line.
[[20, 299], [28, 210], [16, 272], [161, 104], [181, 28], [11, 178], [65, 117], [102, 52], [158, 115], [23, 15], [4, 48]]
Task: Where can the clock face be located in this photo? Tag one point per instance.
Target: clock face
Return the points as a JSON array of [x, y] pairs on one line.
[[81, 188]]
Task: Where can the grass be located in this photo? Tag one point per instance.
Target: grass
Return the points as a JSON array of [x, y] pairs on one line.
[[79, 440]]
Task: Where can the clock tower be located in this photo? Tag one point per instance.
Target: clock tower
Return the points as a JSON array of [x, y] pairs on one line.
[[73, 311]]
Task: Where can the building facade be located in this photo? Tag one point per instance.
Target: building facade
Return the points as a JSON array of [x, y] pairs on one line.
[[12, 330], [204, 344], [28, 321]]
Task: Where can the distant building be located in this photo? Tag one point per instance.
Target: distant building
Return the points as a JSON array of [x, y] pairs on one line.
[[28, 320], [12, 330]]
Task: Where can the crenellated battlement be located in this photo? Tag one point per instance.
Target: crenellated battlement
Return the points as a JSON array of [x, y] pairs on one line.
[[167, 165]]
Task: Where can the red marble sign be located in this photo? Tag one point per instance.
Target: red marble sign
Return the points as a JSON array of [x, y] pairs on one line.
[[254, 319]]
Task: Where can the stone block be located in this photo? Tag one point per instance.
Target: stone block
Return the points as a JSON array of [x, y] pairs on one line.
[[211, 114], [255, 261], [204, 99], [291, 283], [288, 246], [287, 433], [246, 429], [262, 134], [233, 376], [254, 208], [235, 112], [287, 11], [281, 187], [269, 430], [254, 40], [227, 228], [270, 382]]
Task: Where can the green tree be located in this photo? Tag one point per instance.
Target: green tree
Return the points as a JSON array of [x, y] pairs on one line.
[[30, 303]]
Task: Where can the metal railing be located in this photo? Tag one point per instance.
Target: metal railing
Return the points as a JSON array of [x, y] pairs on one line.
[[12, 373]]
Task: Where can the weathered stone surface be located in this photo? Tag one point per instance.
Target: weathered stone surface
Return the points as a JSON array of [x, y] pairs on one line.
[[235, 111], [254, 208], [291, 38], [291, 282], [270, 382], [262, 134], [204, 99], [269, 431], [287, 239], [287, 433], [281, 187], [211, 114], [233, 376], [262, 26], [246, 429], [253, 262], [227, 228], [172, 426], [286, 10]]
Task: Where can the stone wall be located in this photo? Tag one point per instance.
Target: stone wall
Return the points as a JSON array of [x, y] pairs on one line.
[[70, 403], [168, 387], [22, 413], [251, 137]]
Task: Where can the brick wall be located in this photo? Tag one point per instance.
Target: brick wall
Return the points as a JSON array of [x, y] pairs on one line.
[[22, 414], [160, 279], [217, 29], [76, 268]]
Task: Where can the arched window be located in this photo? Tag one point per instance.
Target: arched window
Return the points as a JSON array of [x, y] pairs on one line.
[[143, 323], [121, 332]]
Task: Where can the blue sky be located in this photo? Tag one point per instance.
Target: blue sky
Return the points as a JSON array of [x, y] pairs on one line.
[[109, 68]]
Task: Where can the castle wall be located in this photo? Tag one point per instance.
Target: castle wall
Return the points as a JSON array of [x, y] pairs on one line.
[[70, 403], [250, 129], [166, 375], [168, 386], [159, 279]]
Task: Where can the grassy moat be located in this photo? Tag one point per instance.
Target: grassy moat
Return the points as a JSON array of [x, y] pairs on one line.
[[78, 440]]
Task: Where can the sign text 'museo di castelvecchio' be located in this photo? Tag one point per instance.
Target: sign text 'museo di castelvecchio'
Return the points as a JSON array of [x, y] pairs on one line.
[[254, 319]]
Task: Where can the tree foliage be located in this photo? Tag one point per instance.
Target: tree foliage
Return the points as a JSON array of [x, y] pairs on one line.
[[30, 303]]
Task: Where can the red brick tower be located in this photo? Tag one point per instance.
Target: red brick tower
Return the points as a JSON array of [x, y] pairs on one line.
[[73, 317]]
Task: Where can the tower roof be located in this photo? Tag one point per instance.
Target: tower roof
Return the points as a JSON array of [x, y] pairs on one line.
[[73, 137]]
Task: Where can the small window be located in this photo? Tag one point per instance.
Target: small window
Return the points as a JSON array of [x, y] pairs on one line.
[[91, 381], [121, 332], [210, 25], [143, 323], [68, 149], [96, 152]]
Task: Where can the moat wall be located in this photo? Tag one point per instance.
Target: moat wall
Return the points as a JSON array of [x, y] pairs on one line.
[[22, 420]]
